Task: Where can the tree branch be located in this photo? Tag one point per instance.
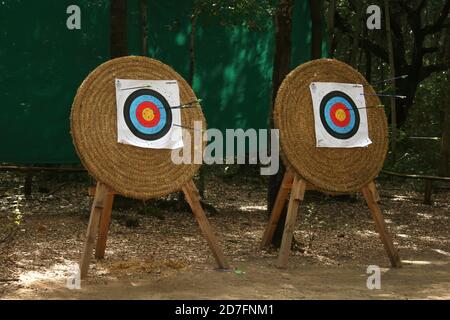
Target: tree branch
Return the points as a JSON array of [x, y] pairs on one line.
[[439, 24], [430, 49], [399, 43], [428, 70], [416, 9], [379, 51], [405, 7], [421, 5]]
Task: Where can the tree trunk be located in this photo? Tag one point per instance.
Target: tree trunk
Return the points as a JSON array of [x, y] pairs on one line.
[[331, 35], [143, 8], [283, 45], [118, 29], [355, 44], [368, 55], [192, 49], [316, 29], [391, 75], [192, 64], [445, 140], [281, 67]]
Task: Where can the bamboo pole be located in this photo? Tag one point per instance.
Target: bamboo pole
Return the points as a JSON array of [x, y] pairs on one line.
[[391, 75]]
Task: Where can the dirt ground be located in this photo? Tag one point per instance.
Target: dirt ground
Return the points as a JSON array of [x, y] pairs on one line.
[[158, 253]]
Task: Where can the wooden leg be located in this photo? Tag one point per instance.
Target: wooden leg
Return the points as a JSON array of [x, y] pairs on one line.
[[381, 227], [105, 221], [91, 191], [373, 188], [192, 197], [286, 185], [297, 195], [94, 220]]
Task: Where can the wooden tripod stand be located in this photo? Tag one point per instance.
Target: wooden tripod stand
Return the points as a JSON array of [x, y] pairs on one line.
[[101, 216], [297, 186]]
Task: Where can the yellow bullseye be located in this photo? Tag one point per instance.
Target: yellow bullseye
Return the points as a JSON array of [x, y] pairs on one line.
[[341, 115], [148, 114]]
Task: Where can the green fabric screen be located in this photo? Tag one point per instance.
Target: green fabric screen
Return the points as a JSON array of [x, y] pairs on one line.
[[42, 63]]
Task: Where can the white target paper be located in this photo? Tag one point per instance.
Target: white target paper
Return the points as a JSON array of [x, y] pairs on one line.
[[145, 114], [340, 116]]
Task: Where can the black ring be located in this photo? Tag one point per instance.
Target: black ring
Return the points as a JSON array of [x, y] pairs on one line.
[[133, 129], [333, 133]]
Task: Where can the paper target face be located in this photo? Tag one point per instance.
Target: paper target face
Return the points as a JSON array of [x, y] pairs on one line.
[[340, 116], [146, 116]]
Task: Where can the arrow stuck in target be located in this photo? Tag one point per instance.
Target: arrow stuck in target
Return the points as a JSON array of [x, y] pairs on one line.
[[383, 95]]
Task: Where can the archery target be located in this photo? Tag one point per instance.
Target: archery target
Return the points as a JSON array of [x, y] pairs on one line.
[[147, 114], [340, 116]]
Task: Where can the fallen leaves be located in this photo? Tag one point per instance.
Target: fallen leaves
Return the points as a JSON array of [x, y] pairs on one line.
[[163, 236]]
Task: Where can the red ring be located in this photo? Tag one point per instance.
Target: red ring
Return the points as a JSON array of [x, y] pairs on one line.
[[140, 109], [334, 109]]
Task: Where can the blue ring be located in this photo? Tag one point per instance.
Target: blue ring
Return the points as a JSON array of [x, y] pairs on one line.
[[163, 116], [331, 124]]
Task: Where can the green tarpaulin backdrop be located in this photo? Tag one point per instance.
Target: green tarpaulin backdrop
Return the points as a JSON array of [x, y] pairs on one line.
[[42, 64]]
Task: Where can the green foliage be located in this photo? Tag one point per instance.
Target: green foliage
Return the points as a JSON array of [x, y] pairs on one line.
[[424, 114], [255, 14], [425, 120]]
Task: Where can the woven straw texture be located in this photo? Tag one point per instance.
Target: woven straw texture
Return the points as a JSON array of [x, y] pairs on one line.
[[130, 171], [329, 169]]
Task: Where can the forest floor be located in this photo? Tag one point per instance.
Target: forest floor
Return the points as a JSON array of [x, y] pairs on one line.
[[158, 253]]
